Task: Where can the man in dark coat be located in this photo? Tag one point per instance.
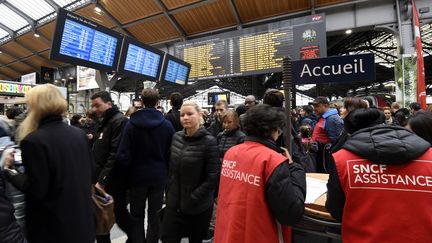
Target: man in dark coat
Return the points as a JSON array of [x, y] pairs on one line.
[[109, 174], [144, 148], [173, 115], [216, 126]]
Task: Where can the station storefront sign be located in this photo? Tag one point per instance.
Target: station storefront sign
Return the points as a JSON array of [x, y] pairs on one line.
[[13, 89], [334, 69]]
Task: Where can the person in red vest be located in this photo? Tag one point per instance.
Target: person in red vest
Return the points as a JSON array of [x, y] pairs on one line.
[[381, 189], [261, 188]]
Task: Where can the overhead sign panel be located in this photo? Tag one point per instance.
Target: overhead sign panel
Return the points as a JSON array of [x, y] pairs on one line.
[[248, 51], [83, 42], [334, 69], [175, 70], [140, 60]]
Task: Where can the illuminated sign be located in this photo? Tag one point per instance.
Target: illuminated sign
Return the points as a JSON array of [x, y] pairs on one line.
[[12, 88]]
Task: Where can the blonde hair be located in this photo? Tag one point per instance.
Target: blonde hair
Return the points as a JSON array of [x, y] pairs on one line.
[[196, 107], [42, 100]]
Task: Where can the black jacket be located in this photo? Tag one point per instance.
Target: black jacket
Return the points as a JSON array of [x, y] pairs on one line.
[[215, 128], [173, 116], [227, 139], [285, 189], [9, 229], [380, 144], [194, 170], [106, 142], [59, 166], [145, 147]]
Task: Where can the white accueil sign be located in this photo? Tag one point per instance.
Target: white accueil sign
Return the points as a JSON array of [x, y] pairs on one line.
[[29, 78]]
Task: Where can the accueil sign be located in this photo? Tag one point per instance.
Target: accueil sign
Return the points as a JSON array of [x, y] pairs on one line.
[[334, 69]]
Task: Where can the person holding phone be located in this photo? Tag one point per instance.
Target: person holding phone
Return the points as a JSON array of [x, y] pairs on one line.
[[261, 188]]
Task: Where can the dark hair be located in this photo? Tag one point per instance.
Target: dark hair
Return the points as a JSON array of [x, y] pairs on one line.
[[274, 98], [401, 116], [352, 103], [103, 95], [150, 97], [176, 99], [362, 118], [305, 131], [261, 120], [421, 124], [308, 109], [415, 106], [241, 109], [13, 112], [75, 120]]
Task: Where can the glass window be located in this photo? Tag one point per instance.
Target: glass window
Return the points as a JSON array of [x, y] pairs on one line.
[[11, 19], [35, 9]]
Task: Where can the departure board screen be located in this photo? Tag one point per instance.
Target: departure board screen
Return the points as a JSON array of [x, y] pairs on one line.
[[82, 42], [175, 70], [140, 60], [248, 51]]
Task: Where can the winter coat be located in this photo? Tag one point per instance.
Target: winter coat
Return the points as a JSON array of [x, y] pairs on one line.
[[16, 197], [380, 144], [9, 229], [173, 116], [215, 128], [59, 166], [227, 139], [194, 170], [145, 147], [106, 142]]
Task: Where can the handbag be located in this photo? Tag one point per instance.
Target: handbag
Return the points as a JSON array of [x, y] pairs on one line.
[[104, 211]]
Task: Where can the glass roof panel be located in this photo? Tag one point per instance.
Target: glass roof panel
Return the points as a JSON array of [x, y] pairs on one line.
[[11, 19], [3, 33], [63, 3], [35, 9]]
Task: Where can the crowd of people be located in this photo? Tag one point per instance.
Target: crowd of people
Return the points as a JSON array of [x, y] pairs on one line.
[[225, 176]]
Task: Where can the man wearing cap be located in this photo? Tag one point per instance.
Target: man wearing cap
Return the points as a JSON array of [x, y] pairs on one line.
[[328, 128]]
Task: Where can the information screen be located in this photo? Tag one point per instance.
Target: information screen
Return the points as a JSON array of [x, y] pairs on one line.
[[140, 60], [249, 51], [175, 70], [82, 42]]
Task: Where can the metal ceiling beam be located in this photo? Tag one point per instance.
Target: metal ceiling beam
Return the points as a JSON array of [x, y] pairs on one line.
[[17, 59], [31, 21], [53, 4], [23, 59], [7, 29], [35, 53], [235, 13], [172, 11], [113, 19], [171, 18]]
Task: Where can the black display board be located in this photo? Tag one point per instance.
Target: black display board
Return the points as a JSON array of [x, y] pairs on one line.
[[140, 60], [175, 70], [83, 42], [254, 50]]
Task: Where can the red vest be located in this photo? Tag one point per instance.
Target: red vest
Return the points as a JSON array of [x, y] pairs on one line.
[[243, 214], [386, 203], [319, 134]]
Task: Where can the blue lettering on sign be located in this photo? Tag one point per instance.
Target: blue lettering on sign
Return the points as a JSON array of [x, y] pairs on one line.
[[334, 69]]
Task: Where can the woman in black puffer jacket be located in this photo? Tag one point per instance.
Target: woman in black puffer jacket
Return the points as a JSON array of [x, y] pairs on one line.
[[194, 169]]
